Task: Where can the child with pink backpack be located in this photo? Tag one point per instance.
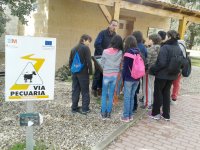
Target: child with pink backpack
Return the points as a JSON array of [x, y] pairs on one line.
[[133, 70]]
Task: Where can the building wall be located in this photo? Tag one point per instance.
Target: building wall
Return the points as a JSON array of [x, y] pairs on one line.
[[144, 21], [68, 20]]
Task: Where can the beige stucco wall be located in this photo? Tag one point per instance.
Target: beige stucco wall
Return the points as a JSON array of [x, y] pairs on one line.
[[144, 21], [68, 20]]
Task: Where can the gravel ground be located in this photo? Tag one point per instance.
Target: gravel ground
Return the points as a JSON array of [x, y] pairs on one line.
[[62, 129]]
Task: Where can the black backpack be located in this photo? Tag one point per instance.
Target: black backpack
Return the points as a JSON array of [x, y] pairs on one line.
[[186, 64], [175, 65]]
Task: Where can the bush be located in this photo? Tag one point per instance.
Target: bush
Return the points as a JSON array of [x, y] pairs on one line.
[[63, 73]]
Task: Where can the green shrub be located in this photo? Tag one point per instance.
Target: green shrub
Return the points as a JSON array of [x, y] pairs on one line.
[[63, 73]]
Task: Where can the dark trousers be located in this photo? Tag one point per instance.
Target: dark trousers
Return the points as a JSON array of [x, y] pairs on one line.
[[162, 97], [97, 79], [135, 97], [80, 84]]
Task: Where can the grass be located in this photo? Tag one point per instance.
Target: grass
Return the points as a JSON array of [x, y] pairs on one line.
[[22, 146], [195, 61]]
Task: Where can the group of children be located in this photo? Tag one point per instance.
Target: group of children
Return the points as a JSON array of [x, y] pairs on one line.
[[115, 65], [111, 62]]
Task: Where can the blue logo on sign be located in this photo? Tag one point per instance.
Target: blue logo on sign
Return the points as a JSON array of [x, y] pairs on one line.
[[48, 43]]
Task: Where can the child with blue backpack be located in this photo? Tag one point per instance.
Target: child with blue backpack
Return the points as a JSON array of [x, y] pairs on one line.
[[110, 62], [81, 67], [130, 83]]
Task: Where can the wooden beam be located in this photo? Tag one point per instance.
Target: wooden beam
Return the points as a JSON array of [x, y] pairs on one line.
[[188, 24], [105, 12], [117, 10], [182, 27], [193, 19], [145, 9], [150, 10], [103, 2]]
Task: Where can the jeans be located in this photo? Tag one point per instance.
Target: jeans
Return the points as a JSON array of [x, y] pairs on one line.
[[129, 93], [108, 89]]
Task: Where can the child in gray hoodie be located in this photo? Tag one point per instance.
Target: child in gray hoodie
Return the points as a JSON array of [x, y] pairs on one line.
[[110, 62]]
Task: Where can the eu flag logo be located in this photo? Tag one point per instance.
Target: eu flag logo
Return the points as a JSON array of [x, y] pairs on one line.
[[49, 43]]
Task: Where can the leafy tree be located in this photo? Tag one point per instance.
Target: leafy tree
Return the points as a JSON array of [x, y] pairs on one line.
[[19, 8], [194, 29]]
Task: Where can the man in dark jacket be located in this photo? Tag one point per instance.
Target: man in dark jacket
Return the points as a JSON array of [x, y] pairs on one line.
[[80, 80], [163, 77], [102, 42]]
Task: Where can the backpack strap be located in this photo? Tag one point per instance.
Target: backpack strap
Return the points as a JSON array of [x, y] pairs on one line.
[[129, 55]]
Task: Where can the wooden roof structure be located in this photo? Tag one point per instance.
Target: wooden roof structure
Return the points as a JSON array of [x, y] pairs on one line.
[[153, 7]]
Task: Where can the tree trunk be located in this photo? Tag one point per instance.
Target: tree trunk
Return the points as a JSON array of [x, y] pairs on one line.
[[191, 42]]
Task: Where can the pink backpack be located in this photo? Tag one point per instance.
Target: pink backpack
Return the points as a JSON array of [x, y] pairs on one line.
[[138, 68]]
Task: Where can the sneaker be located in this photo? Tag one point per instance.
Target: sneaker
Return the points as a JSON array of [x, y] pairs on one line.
[[131, 118], [156, 117], [75, 110], [124, 119], [149, 107], [103, 116], [173, 102], [85, 112], [108, 115], [166, 119]]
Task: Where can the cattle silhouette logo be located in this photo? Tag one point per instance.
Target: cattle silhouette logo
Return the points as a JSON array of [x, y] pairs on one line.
[[29, 76]]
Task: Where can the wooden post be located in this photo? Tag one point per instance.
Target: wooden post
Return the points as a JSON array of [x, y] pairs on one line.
[[117, 10], [105, 12], [182, 27]]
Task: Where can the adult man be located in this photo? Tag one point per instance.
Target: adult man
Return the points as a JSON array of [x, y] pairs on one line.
[[102, 42]]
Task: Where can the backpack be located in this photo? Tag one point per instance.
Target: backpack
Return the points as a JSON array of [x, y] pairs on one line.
[[76, 66], [175, 64], [186, 66], [138, 67]]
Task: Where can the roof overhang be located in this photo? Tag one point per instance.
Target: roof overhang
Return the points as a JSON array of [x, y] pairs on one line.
[[154, 7]]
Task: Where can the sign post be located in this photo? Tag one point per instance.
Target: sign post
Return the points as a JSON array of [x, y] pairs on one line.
[[29, 129], [29, 75]]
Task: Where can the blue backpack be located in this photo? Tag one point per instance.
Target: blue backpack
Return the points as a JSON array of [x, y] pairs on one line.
[[76, 64]]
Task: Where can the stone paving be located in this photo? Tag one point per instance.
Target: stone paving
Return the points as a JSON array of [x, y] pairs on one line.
[[181, 133]]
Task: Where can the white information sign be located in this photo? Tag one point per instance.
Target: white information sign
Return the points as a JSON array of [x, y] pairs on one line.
[[30, 68]]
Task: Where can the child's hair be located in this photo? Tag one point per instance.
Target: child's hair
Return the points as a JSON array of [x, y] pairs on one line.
[[85, 37], [155, 38], [162, 34], [173, 34], [130, 42], [139, 37], [116, 42]]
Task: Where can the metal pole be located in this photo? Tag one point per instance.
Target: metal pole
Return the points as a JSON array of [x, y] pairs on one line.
[[29, 129]]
